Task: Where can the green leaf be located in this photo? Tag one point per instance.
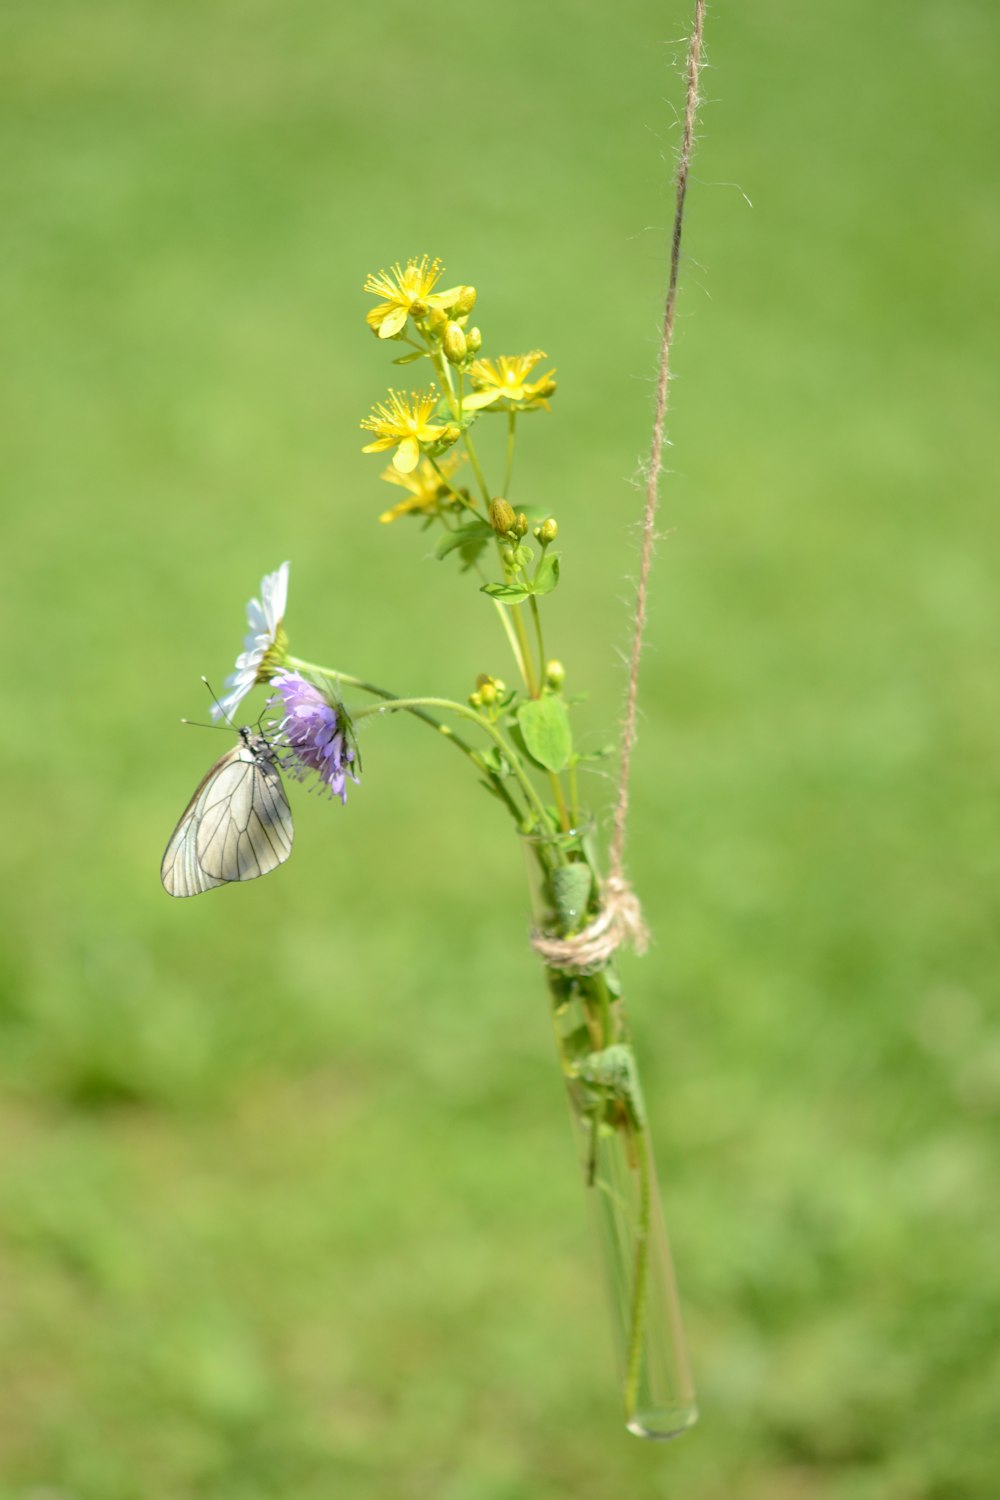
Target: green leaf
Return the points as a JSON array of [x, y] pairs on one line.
[[408, 359], [493, 760], [547, 576], [444, 413], [510, 593], [577, 1045], [613, 1070], [472, 531], [571, 887], [544, 723], [517, 738]]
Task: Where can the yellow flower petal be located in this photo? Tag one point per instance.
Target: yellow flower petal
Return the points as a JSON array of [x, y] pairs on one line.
[[407, 455], [444, 299], [401, 509], [405, 481], [379, 445], [478, 399], [393, 322]]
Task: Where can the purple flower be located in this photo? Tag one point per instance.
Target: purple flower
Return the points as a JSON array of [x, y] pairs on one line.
[[315, 733]]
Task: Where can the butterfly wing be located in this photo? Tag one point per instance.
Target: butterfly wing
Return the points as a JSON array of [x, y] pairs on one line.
[[237, 826], [180, 870], [245, 824]]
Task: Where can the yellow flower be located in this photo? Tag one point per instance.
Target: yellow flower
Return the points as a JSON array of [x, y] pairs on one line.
[[403, 422], [407, 293], [428, 488], [506, 379]]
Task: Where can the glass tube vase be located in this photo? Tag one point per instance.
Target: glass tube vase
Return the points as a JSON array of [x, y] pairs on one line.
[[611, 1131]]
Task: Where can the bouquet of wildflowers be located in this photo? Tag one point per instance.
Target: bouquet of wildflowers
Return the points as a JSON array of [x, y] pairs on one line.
[[517, 738]]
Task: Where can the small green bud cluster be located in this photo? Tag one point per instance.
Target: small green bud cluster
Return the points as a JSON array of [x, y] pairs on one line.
[[455, 344], [464, 303], [488, 692], [515, 558], [503, 517], [507, 522], [460, 344]]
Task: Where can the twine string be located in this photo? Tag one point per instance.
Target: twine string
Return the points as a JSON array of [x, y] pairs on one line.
[[620, 918]]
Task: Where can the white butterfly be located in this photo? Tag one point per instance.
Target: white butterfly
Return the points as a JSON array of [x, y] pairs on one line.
[[238, 824]]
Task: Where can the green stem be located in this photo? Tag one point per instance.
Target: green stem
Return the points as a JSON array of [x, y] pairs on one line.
[[557, 790], [557, 793], [412, 706], [527, 667], [444, 375], [463, 500], [574, 793], [599, 987], [536, 615], [297, 664], [477, 468], [637, 1326], [416, 705], [517, 635], [511, 435], [504, 614]]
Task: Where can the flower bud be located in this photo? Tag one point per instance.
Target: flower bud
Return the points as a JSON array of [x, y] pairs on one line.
[[488, 690], [464, 302], [521, 524], [475, 700], [502, 517], [508, 555], [473, 339], [500, 686], [555, 674], [455, 346], [548, 531]]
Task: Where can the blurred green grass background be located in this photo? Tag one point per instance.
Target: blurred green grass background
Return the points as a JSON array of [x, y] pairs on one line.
[[288, 1200]]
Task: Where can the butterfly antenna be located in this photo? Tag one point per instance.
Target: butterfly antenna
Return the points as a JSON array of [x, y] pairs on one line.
[[260, 717], [215, 700]]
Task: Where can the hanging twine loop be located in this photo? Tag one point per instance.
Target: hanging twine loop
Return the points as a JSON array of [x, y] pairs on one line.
[[620, 917]]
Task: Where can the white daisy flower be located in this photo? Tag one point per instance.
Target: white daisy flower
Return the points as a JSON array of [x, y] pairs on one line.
[[264, 645]]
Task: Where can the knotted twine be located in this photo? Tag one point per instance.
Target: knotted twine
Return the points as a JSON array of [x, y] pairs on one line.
[[620, 918]]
